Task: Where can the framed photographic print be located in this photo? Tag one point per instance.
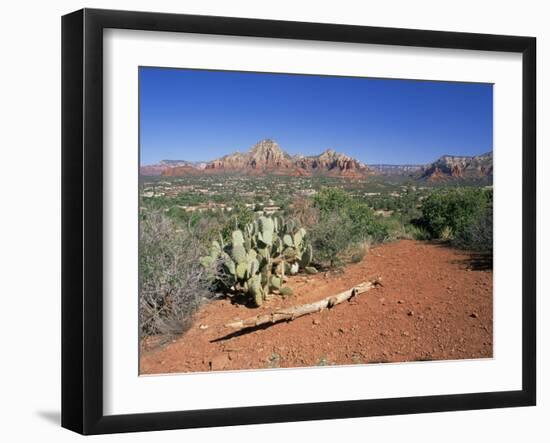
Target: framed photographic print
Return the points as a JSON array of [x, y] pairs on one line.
[[268, 221]]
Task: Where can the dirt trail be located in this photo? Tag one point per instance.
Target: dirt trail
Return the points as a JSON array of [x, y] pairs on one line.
[[436, 304]]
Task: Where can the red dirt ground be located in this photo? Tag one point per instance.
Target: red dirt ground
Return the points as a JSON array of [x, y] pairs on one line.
[[435, 304]]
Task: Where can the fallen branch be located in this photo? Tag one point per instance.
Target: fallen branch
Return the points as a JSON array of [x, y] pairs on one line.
[[289, 314]]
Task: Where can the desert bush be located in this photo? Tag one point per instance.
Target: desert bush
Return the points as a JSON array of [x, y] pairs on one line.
[[173, 284], [344, 226], [447, 213], [478, 235], [238, 218], [398, 229], [304, 212], [331, 237], [330, 200], [447, 233], [417, 232], [395, 228], [365, 226]]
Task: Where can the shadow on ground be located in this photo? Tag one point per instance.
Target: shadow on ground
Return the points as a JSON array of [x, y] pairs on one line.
[[477, 262], [53, 417], [243, 332]]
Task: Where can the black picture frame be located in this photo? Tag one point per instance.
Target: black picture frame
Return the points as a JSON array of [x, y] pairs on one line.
[[82, 215]]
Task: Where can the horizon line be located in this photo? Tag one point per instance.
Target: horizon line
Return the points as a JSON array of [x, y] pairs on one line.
[[338, 152]]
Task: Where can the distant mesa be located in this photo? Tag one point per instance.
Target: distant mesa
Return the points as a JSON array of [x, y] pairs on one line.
[[166, 165], [477, 167], [265, 158]]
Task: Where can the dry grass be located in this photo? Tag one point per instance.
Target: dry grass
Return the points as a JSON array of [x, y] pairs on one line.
[[173, 283]]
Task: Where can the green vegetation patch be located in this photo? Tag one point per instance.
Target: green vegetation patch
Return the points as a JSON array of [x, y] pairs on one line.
[[463, 216]]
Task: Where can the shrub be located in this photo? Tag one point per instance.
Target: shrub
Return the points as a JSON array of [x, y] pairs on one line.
[[238, 218], [345, 224], [478, 235], [447, 213], [331, 237], [364, 224], [395, 229], [329, 200], [447, 233], [173, 284], [303, 211], [417, 232]]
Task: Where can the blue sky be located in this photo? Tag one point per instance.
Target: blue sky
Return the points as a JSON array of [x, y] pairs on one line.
[[201, 115]]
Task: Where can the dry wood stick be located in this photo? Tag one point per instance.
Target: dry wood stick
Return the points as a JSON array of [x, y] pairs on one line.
[[289, 314]]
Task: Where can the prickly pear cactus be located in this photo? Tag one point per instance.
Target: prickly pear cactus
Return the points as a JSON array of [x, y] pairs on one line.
[[286, 290], [276, 282], [255, 290], [260, 255]]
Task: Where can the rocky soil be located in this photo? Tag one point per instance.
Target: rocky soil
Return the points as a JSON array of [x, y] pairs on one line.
[[435, 304]]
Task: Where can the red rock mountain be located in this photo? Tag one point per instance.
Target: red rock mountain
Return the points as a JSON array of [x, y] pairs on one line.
[[332, 163], [459, 167], [266, 157], [169, 165]]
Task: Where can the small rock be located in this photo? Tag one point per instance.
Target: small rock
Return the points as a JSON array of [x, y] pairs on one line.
[[342, 330], [400, 302], [316, 322], [474, 315], [405, 333], [203, 327], [410, 313]]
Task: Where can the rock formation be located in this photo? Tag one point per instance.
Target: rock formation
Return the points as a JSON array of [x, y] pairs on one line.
[[266, 157], [459, 167]]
